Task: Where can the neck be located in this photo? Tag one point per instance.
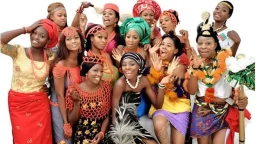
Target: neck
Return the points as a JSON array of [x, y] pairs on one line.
[[72, 55], [132, 49], [95, 50], [36, 50], [59, 28], [110, 29], [219, 24], [169, 59], [91, 85]]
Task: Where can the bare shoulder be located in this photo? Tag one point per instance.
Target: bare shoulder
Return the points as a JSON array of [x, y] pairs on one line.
[[120, 83]]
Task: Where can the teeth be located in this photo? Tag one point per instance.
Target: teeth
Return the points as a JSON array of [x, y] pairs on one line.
[[98, 79]]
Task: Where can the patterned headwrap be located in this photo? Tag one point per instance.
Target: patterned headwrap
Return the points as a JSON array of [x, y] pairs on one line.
[[206, 30], [52, 30], [137, 58], [88, 62], [139, 25], [54, 7], [95, 29], [142, 5], [69, 31], [173, 15]]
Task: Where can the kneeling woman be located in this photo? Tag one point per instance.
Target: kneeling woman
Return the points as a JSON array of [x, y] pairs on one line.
[[88, 103], [126, 97]]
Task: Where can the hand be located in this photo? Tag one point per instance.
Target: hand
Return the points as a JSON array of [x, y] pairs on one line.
[[155, 48], [33, 26], [83, 20], [173, 65], [147, 46], [67, 129], [74, 95], [99, 136], [242, 103], [184, 34], [153, 26], [45, 89], [234, 36], [117, 54], [86, 4], [168, 79], [156, 62], [195, 61], [120, 47]]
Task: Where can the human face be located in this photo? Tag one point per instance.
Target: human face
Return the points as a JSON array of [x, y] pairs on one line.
[[95, 74], [166, 23], [109, 17], [99, 40], [59, 17], [206, 46], [130, 68], [73, 43], [39, 37], [132, 40], [148, 16], [221, 12], [167, 49]]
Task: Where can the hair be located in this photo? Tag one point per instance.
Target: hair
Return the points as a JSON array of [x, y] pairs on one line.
[[230, 10], [175, 13], [85, 67], [88, 43], [118, 38], [177, 42]]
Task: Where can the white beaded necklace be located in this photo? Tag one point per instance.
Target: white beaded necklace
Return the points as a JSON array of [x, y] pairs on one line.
[[137, 82]]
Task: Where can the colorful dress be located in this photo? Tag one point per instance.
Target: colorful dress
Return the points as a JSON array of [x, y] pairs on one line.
[[29, 107], [224, 40], [72, 76], [127, 129], [94, 108], [111, 44]]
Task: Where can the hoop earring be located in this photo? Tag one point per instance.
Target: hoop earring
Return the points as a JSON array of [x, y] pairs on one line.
[[80, 50]]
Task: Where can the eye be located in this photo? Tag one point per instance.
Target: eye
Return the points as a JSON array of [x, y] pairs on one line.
[[100, 37], [77, 37]]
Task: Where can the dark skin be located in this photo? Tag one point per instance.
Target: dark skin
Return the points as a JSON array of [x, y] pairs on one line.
[[38, 37]]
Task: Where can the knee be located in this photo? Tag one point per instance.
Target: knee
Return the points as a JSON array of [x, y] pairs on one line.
[[160, 122]]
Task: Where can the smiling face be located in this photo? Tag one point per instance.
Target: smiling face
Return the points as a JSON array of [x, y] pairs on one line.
[[166, 23], [167, 49], [109, 17], [132, 40], [39, 37], [73, 43], [221, 12], [206, 46], [59, 17], [95, 74], [130, 68], [99, 40], [148, 16]]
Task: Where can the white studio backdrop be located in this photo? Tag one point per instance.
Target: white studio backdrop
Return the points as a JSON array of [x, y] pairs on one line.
[[16, 14]]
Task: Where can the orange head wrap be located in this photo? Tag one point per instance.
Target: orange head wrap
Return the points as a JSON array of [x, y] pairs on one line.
[[51, 28], [111, 6]]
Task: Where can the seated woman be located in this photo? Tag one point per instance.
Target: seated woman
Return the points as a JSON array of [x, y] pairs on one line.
[[126, 97], [88, 103], [176, 107], [136, 33]]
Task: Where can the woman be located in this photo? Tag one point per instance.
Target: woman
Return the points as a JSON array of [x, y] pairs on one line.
[[66, 69], [126, 97], [150, 11], [88, 103], [96, 39], [110, 20], [28, 104], [174, 113], [57, 13], [136, 33], [168, 20], [227, 37], [207, 80]]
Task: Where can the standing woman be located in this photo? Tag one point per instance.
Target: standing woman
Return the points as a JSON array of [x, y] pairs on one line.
[[96, 39], [150, 11], [169, 20], [28, 105], [66, 71], [227, 38], [207, 80], [136, 33], [88, 103]]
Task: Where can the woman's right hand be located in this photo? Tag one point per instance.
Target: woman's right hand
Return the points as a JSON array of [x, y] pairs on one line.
[[156, 62], [155, 48], [195, 61], [33, 26], [75, 96], [117, 54], [86, 4]]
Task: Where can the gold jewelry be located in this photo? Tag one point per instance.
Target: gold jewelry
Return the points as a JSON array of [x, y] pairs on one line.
[[228, 5]]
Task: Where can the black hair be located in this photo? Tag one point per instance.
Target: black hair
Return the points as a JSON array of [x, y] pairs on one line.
[[118, 38], [85, 67], [88, 38], [178, 44]]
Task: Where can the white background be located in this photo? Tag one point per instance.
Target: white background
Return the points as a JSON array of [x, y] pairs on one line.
[[18, 13]]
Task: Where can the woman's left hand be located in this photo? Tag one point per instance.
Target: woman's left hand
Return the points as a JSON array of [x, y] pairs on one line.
[[147, 46], [45, 89], [97, 138], [234, 36], [184, 34]]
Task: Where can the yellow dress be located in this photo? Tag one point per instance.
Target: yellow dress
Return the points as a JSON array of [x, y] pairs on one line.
[[23, 79]]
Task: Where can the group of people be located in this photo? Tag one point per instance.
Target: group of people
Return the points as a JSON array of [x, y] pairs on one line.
[[92, 83]]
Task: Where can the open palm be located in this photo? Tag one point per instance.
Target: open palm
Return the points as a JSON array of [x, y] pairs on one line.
[[173, 65], [156, 62]]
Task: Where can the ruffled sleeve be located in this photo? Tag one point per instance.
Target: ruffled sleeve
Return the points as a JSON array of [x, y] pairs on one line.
[[59, 71]]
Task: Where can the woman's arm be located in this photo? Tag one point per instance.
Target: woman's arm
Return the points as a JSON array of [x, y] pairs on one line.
[[72, 105], [74, 114], [192, 85], [117, 93]]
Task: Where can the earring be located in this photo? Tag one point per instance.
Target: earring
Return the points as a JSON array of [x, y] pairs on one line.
[[86, 77], [80, 50]]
